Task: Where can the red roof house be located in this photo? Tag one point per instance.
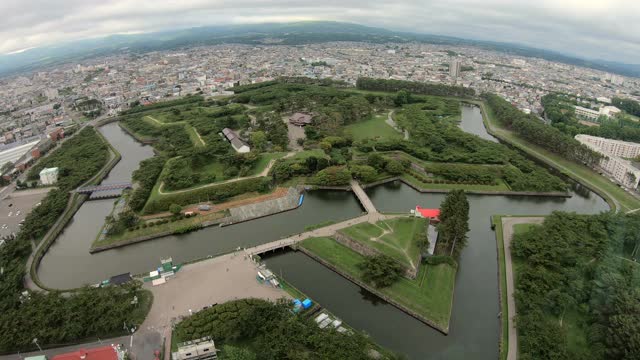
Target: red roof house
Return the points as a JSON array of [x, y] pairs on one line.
[[100, 353], [428, 213]]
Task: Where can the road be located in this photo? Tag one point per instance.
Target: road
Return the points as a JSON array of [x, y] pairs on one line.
[[507, 236]]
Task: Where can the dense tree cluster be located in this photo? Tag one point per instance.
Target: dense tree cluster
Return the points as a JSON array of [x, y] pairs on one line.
[[332, 176], [423, 88], [145, 176], [285, 169], [533, 130], [630, 106], [577, 298], [439, 141], [268, 331], [380, 270], [454, 223]]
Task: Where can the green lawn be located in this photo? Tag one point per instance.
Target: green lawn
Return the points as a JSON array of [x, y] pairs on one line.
[[429, 295], [375, 127], [610, 191], [264, 160], [394, 238]]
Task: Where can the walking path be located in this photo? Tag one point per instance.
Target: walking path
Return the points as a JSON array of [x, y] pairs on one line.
[[507, 236], [394, 125], [363, 197], [263, 173]]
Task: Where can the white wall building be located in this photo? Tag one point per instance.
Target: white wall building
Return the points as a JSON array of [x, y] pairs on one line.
[[614, 163], [49, 176], [618, 148]]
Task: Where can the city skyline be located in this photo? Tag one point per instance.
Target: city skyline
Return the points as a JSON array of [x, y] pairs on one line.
[[593, 29]]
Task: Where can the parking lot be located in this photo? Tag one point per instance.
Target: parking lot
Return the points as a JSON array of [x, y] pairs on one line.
[[15, 207]]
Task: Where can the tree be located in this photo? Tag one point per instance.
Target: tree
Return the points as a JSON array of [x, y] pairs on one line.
[[402, 97], [376, 160], [175, 209], [394, 167], [258, 140], [454, 222], [380, 270], [365, 173]]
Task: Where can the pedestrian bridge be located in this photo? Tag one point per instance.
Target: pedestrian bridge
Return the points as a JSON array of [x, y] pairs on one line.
[[103, 187], [363, 198]]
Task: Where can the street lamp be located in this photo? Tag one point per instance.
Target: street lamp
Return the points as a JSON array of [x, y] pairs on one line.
[[35, 341]]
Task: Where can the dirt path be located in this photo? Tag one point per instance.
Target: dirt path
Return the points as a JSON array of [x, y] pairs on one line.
[[507, 236], [263, 173]]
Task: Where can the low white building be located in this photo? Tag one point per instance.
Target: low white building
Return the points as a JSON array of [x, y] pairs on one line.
[[49, 176]]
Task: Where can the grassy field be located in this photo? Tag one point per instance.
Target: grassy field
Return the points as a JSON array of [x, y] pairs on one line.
[[615, 196], [395, 238], [375, 127], [429, 295], [158, 229]]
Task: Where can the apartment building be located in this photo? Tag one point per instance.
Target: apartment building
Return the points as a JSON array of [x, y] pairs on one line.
[[614, 162]]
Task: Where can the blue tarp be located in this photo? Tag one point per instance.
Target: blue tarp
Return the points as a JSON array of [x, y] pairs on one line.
[[306, 303]]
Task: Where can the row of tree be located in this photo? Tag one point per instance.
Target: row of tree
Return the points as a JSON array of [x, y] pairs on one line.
[[454, 224], [536, 132], [423, 88]]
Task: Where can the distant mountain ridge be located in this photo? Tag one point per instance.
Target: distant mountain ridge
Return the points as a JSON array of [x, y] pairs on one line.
[[297, 33]]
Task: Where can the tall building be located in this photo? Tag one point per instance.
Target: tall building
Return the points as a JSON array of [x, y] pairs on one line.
[[454, 68]]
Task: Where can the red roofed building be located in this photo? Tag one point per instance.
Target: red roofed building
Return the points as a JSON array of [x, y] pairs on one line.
[[433, 214], [112, 352]]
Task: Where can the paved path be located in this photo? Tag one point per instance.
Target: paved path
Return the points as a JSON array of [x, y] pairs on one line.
[[263, 173], [507, 236], [394, 125], [363, 197]]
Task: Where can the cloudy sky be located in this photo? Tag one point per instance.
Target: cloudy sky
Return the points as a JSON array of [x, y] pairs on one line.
[[604, 29]]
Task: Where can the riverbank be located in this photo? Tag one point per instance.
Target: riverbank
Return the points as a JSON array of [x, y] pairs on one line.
[[428, 298], [616, 197]]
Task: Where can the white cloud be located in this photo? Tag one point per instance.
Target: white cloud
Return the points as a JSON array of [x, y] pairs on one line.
[[602, 29]]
